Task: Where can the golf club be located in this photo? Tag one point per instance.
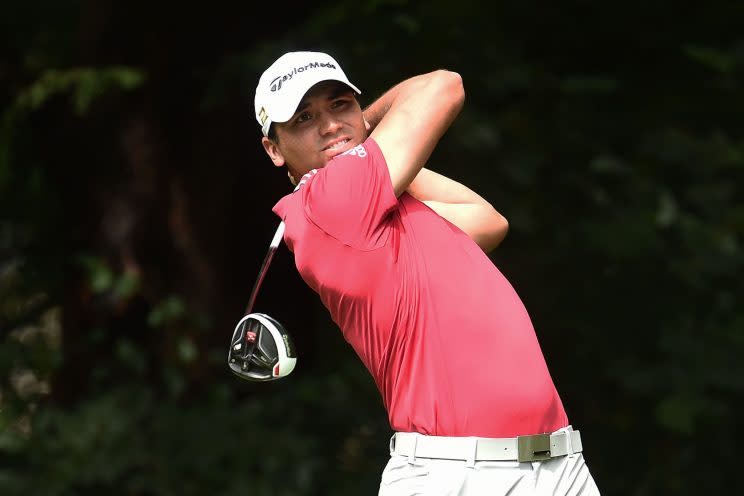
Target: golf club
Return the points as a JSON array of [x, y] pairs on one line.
[[261, 349]]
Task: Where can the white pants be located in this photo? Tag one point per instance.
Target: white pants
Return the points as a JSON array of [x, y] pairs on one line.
[[564, 475]]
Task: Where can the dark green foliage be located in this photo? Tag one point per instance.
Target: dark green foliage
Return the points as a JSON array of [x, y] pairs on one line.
[[135, 209]]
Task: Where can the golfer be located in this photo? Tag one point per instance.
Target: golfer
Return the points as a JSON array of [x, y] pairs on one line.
[[397, 254]]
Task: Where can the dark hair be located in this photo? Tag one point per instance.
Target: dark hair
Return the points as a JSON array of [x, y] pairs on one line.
[[272, 134]]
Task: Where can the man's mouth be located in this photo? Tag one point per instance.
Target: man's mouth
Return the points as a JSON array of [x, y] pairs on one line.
[[336, 145]]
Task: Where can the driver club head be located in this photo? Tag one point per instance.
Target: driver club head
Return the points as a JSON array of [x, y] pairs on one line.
[[261, 349]]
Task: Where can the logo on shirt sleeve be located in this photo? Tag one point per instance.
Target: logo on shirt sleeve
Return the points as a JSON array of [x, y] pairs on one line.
[[357, 151]]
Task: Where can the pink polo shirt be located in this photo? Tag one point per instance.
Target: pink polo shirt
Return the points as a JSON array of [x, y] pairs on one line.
[[445, 336]]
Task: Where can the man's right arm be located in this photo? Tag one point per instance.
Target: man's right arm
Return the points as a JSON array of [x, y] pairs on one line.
[[408, 121], [450, 199], [461, 206]]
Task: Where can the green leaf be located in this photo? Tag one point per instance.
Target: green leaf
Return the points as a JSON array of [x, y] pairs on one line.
[[678, 413], [127, 284], [100, 275], [166, 311], [187, 351], [86, 83], [712, 58]]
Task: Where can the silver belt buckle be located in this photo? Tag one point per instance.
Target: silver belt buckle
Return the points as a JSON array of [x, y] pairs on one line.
[[533, 448]]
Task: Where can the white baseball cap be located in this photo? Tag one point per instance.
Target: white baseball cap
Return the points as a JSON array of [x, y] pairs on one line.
[[286, 81]]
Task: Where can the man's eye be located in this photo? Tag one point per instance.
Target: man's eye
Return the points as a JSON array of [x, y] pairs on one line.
[[338, 103], [303, 117]]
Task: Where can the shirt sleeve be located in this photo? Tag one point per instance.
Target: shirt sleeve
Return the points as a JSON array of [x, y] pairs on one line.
[[351, 198]]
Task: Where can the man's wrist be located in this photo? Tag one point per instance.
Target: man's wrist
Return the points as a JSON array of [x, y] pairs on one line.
[[373, 115], [376, 111]]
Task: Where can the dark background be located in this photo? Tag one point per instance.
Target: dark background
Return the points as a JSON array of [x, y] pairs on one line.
[[135, 211]]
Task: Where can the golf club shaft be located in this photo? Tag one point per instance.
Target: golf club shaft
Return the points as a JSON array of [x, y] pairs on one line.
[[265, 266]]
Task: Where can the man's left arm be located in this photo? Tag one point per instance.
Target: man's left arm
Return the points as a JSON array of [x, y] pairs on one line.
[[461, 206]]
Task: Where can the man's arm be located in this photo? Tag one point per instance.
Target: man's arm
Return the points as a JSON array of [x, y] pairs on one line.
[[450, 199], [408, 121], [461, 206]]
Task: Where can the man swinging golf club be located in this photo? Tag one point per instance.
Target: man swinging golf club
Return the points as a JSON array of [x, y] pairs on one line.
[[396, 253]]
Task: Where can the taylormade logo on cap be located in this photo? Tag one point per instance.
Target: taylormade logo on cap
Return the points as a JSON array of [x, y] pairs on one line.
[[276, 84], [282, 86]]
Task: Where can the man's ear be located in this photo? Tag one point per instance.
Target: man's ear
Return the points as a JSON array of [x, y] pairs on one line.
[[272, 150]]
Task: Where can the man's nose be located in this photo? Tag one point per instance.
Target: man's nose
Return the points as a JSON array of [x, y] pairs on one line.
[[329, 124]]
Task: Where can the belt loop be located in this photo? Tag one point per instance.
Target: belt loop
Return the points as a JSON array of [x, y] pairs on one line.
[[412, 453], [569, 441], [392, 444], [470, 461]]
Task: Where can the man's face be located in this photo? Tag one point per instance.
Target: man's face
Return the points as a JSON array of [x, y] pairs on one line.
[[328, 122]]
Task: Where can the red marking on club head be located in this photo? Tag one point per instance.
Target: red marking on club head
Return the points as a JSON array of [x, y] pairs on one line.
[[250, 337], [276, 370]]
